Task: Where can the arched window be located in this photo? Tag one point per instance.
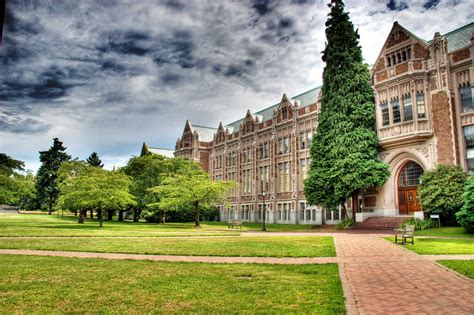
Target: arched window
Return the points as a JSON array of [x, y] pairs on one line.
[[410, 175]]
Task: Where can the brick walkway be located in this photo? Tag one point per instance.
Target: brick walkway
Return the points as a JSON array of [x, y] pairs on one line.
[[378, 277], [387, 279]]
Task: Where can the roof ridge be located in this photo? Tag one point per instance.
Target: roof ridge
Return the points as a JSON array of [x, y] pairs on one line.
[[159, 148], [315, 88], [203, 126], [458, 29]]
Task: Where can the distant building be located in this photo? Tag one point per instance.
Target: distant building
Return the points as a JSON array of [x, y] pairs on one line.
[[424, 117], [165, 152]]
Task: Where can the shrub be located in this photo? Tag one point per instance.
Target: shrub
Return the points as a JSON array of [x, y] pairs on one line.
[[441, 191], [465, 217], [345, 224], [420, 224]]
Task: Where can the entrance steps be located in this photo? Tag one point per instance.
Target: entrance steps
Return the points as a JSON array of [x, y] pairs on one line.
[[381, 223]]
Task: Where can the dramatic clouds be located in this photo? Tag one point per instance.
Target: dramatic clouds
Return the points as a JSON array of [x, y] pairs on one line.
[[107, 75]]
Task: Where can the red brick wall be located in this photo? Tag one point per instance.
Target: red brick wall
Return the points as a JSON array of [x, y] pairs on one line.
[[419, 51], [417, 65], [392, 41], [442, 128], [204, 160], [462, 54], [382, 76], [399, 69]]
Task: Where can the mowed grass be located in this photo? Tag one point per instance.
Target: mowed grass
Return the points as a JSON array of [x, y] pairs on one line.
[[45, 225], [465, 267], [440, 246], [260, 246], [46, 285], [458, 232]]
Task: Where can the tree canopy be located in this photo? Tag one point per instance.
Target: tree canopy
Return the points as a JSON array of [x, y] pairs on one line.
[[465, 217], [190, 187], [441, 191], [16, 187], [94, 160], [96, 188], [46, 185], [344, 148]]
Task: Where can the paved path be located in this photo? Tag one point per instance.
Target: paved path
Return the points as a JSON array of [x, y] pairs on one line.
[[387, 279], [378, 277]]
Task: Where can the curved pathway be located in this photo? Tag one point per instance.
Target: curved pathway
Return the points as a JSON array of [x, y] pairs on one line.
[[378, 277]]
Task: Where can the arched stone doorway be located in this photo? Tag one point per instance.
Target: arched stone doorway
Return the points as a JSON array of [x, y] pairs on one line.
[[408, 181]]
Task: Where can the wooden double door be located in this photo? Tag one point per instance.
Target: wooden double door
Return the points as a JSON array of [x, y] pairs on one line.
[[408, 181], [408, 200]]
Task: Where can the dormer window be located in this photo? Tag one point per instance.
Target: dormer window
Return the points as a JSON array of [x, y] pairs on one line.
[[284, 113]]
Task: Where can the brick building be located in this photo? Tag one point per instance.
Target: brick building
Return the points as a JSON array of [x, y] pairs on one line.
[[424, 117]]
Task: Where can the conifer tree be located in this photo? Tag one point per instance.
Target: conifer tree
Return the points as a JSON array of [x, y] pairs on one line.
[[94, 160], [344, 148], [46, 185]]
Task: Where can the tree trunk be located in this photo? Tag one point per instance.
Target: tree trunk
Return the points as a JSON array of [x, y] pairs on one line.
[[50, 206], [101, 217], [92, 214], [196, 218], [355, 204], [136, 214], [81, 216], [120, 215], [75, 213], [110, 215], [343, 210], [162, 217]]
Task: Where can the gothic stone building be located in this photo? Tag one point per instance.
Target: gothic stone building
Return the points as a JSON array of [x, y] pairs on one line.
[[424, 117]]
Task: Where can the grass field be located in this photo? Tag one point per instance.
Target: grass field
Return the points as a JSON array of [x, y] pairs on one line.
[[446, 232], [44, 225], [282, 246], [69, 285], [465, 267], [439, 246]]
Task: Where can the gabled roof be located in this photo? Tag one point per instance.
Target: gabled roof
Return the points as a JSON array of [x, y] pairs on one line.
[[303, 99], [206, 134], [459, 38], [162, 151]]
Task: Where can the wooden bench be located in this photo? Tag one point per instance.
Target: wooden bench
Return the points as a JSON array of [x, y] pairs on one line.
[[235, 223], [406, 233]]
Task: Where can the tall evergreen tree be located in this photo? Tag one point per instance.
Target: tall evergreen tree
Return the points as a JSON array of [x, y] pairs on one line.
[[46, 185], [94, 160], [344, 148]]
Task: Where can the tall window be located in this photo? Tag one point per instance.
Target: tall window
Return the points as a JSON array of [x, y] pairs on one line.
[[420, 105], [302, 140], [465, 91], [247, 181], [469, 139], [303, 171], [263, 150], [246, 155], [309, 137], [396, 110], [385, 113], [284, 176], [264, 179], [284, 112], [407, 108], [284, 145]]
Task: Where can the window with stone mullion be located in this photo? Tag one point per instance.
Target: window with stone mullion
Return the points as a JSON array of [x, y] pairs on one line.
[[396, 110], [407, 107], [465, 91]]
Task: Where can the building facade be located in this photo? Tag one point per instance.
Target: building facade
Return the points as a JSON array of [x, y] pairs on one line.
[[424, 117]]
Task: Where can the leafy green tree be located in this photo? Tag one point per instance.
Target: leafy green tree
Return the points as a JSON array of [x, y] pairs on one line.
[[465, 217], [94, 160], [46, 185], [191, 188], [344, 148], [441, 191], [15, 187], [147, 171], [96, 189]]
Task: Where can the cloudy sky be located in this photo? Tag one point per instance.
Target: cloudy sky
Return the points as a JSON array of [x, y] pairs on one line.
[[107, 75]]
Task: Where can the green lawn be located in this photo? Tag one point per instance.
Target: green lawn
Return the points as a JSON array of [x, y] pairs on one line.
[[44, 225], [45, 285], [466, 267], [446, 232], [281, 246], [440, 246]]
